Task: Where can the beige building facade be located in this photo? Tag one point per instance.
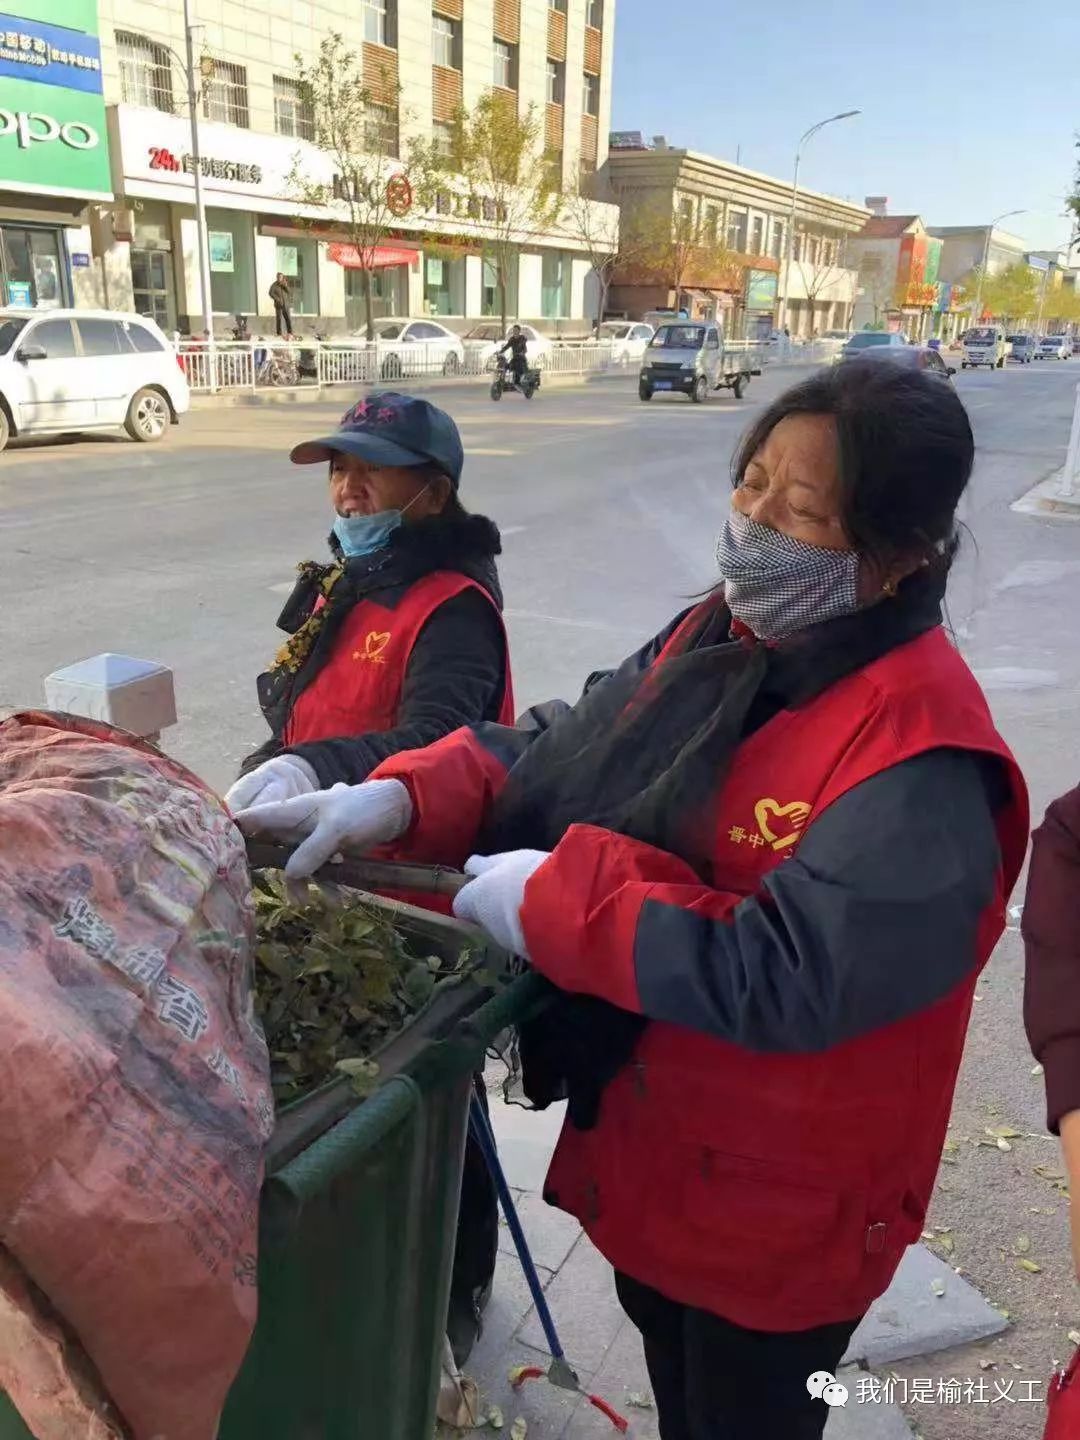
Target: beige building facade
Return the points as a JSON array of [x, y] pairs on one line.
[[430, 56], [738, 219]]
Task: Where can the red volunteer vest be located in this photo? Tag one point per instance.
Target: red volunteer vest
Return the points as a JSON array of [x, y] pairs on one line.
[[359, 688], [780, 1191]]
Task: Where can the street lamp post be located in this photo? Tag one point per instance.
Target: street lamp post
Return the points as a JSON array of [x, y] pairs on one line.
[[986, 259], [200, 205], [789, 248]]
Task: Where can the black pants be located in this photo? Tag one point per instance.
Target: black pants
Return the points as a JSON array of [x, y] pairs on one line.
[[283, 319], [713, 1380], [518, 365]]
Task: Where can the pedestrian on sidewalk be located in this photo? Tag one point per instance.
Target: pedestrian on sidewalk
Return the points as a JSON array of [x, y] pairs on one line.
[[764, 863], [281, 296]]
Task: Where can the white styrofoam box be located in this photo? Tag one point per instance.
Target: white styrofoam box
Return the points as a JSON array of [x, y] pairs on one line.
[[135, 695]]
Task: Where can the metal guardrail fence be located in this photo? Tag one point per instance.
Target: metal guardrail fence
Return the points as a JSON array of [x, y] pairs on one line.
[[261, 363]]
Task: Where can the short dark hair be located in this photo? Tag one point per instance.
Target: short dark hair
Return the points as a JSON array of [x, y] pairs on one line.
[[906, 453]]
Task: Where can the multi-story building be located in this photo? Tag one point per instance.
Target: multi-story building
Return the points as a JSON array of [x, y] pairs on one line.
[[899, 267], [964, 248], [737, 220], [116, 212]]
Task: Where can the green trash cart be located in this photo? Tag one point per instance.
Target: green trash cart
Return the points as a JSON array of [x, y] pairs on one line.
[[357, 1219]]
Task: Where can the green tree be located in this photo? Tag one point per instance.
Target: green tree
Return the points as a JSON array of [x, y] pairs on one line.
[[357, 126], [1009, 296], [512, 195]]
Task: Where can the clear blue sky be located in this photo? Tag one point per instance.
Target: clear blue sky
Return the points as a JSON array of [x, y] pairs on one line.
[[970, 107]]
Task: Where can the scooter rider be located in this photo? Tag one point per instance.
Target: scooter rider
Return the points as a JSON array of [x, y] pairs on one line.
[[518, 345]]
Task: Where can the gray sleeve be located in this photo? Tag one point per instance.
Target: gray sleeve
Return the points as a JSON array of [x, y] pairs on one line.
[[874, 919]]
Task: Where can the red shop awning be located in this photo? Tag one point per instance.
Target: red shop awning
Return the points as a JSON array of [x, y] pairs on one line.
[[379, 256]]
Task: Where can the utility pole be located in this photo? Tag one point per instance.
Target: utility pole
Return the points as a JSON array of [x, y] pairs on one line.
[[200, 204], [789, 248]]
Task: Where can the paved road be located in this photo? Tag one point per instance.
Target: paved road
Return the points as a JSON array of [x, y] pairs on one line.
[[609, 510]]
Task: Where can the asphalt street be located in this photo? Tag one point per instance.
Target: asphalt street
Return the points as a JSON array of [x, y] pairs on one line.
[[609, 508]]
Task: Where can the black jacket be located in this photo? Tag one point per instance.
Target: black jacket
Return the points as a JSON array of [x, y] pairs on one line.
[[279, 292], [456, 673]]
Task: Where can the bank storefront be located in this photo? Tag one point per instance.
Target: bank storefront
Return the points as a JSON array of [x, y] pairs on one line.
[[431, 264], [54, 159]]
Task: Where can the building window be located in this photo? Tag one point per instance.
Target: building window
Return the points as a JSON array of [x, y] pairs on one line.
[[444, 285], [776, 244], [559, 5], [555, 285], [375, 25], [590, 95], [505, 76], [225, 96], [594, 14], [381, 130], [443, 132], [712, 223], [232, 262], [445, 42], [556, 82], [685, 215], [757, 235], [32, 273], [736, 231], [292, 112], [145, 72]]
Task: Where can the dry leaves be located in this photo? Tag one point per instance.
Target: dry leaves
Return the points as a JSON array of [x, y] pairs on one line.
[[332, 983]]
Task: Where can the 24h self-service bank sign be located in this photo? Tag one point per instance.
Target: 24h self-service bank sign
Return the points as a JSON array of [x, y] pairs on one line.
[[52, 114]]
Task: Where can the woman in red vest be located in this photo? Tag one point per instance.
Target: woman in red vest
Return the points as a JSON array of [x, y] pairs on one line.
[[398, 640], [764, 863]]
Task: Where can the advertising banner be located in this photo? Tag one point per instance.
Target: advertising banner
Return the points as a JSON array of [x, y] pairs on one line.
[[52, 112], [760, 289]]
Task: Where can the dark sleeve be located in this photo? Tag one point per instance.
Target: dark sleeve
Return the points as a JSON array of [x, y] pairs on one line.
[[1051, 928], [875, 917], [455, 677], [266, 751]]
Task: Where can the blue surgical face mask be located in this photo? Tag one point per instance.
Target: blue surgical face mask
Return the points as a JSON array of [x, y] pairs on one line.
[[364, 534]]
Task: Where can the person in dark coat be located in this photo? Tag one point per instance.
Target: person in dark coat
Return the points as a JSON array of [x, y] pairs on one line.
[[394, 642], [763, 864], [1051, 930], [281, 298], [398, 639]]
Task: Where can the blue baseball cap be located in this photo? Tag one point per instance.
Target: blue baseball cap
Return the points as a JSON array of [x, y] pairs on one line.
[[388, 428]]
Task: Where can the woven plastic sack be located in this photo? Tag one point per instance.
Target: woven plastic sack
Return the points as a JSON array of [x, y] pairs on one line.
[[134, 1089]]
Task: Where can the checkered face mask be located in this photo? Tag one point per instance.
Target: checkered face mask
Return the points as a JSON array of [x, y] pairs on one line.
[[776, 585]]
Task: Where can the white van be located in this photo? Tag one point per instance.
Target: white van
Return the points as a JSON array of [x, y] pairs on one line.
[[985, 345], [72, 370]]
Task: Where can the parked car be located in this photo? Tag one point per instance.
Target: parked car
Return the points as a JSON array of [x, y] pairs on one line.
[[918, 357], [73, 370], [409, 347], [832, 343], [1023, 348], [629, 339], [1076, 344], [483, 341], [867, 340], [1055, 347], [985, 345]]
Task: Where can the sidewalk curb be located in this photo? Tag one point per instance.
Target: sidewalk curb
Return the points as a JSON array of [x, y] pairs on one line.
[[1043, 499]]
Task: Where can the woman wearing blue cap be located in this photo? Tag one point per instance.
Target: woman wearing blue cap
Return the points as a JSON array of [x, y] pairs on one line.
[[398, 639], [395, 642]]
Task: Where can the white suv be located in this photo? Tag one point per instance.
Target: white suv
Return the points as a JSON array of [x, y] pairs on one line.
[[70, 370]]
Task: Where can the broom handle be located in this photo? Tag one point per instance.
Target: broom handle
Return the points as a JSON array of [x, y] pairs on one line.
[[364, 874]]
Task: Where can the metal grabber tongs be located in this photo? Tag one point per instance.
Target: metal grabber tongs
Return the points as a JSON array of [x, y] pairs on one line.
[[360, 873]]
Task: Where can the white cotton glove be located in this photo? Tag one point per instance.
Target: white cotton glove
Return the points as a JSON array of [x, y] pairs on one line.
[[345, 817], [278, 779], [493, 900]]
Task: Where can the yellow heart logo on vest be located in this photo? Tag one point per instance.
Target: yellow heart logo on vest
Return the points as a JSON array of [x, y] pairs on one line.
[[781, 836], [375, 643]]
